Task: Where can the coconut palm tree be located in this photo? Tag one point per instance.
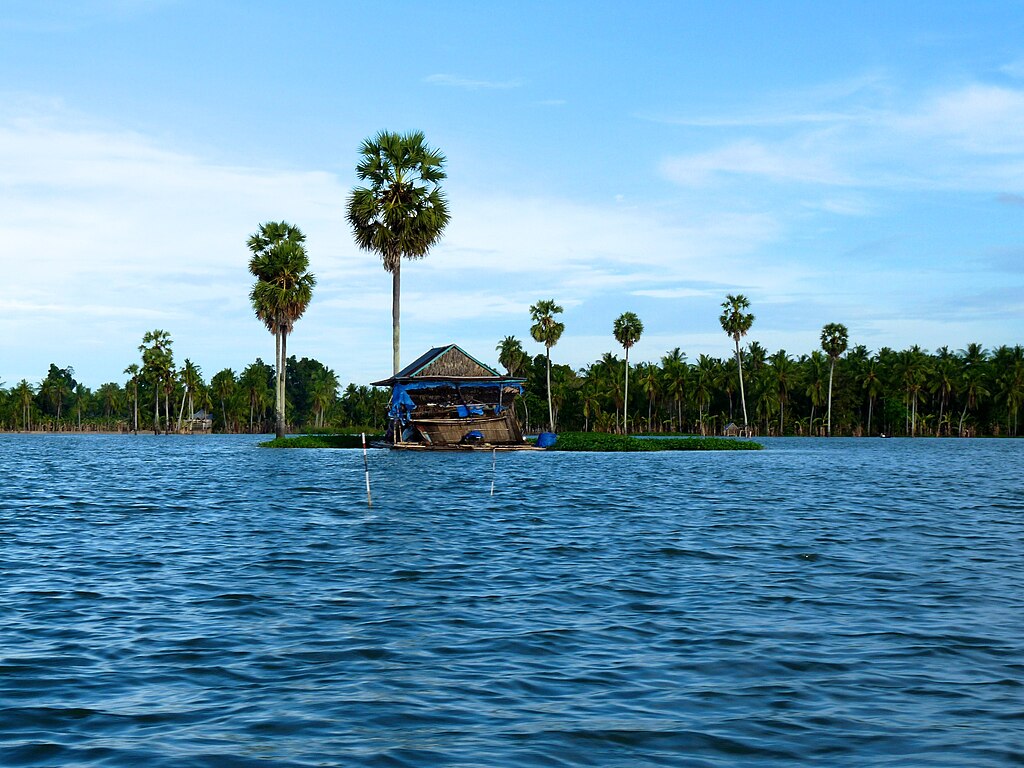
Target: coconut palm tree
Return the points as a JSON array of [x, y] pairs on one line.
[[784, 374], [627, 329], [223, 385], [547, 331], [323, 391], [24, 393], [814, 372], [834, 338], [511, 356], [675, 371], [133, 372], [650, 382], [281, 294], [402, 212], [871, 383], [736, 322], [158, 364]]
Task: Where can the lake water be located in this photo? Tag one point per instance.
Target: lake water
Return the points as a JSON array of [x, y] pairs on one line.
[[177, 601]]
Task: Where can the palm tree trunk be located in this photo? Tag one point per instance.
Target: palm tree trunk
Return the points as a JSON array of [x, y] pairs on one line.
[[625, 399], [743, 397], [181, 410], [551, 410], [396, 294], [831, 370], [871, 402], [279, 429], [156, 407]]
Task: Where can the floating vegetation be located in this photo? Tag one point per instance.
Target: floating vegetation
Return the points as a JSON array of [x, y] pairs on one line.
[[600, 441], [321, 441]]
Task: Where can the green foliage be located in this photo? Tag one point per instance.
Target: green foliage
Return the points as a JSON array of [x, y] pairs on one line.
[[597, 441], [320, 441]]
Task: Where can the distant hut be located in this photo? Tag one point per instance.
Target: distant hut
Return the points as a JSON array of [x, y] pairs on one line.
[[731, 430], [201, 421], [447, 399]]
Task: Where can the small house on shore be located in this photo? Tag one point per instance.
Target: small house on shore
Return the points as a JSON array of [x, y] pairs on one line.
[[448, 400]]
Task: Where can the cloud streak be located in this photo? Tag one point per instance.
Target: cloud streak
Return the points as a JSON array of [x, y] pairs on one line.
[[471, 84]]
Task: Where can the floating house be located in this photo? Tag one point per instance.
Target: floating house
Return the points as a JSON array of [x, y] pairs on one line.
[[448, 400]]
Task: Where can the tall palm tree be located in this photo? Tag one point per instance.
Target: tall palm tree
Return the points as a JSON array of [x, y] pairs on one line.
[[547, 331], [815, 377], [650, 382], [158, 363], [281, 294], [627, 329], [871, 383], [834, 338], [25, 392], [402, 212], [705, 373], [133, 373], [736, 322], [784, 373], [675, 371]]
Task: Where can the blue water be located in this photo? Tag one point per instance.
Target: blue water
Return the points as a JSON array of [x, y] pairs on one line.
[[176, 601]]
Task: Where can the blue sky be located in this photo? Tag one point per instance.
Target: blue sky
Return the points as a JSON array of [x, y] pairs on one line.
[[859, 163]]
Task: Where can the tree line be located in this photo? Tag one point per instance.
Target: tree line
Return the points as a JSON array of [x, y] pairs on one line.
[[834, 390], [157, 395]]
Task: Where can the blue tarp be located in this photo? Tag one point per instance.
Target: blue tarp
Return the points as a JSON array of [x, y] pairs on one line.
[[402, 404]]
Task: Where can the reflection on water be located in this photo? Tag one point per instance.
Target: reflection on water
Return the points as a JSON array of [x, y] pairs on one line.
[[199, 601]]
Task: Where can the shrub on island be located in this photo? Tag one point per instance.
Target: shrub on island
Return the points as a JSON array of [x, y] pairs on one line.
[[600, 441], [320, 441]]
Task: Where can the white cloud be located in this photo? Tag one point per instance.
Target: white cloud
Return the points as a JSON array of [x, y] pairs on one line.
[[754, 158], [968, 137], [471, 84]]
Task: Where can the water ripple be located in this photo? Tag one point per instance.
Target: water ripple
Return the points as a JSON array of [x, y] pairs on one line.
[[184, 601]]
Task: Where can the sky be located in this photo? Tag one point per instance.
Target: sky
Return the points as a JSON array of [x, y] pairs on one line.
[[851, 162]]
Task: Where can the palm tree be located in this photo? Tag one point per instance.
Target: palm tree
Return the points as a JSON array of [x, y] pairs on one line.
[[871, 383], [511, 356], [324, 391], [25, 392], [223, 385], [192, 381], [547, 331], [703, 386], [650, 382], [133, 372], [402, 212], [815, 372], [281, 294], [736, 322], [627, 329], [834, 338], [784, 373], [158, 363], [675, 369]]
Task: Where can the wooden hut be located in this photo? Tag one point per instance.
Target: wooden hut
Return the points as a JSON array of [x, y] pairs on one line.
[[448, 400]]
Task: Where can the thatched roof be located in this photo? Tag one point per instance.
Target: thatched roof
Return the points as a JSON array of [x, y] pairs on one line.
[[450, 363]]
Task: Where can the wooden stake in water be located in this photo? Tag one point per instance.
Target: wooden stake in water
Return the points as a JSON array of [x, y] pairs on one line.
[[366, 470], [494, 467]]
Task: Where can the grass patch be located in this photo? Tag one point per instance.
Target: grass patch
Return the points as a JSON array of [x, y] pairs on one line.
[[600, 441], [321, 441]]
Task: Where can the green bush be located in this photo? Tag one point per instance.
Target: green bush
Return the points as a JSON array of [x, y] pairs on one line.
[[321, 441], [600, 441]]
